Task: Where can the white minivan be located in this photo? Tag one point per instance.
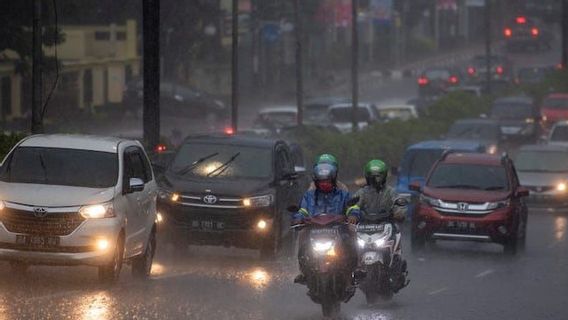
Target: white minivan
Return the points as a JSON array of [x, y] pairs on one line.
[[78, 200]]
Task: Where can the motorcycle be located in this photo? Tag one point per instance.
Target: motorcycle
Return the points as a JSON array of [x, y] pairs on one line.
[[325, 260], [380, 255]]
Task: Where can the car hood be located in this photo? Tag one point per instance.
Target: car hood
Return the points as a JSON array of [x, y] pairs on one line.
[[225, 187], [541, 179], [457, 195], [53, 196]]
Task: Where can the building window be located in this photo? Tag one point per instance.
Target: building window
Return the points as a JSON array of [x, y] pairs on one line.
[[88, 87], [6, 96], [102, 35], [121, 36]]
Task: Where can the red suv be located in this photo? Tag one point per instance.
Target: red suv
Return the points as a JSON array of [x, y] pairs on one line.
[[474, 197]]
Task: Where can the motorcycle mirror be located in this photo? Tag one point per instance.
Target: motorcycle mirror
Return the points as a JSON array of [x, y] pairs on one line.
[[293, 209], [353, 201], [401, 202]]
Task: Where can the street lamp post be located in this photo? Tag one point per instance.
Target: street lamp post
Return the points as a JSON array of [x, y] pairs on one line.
[[299, 62], [235, 66], [354, 64]]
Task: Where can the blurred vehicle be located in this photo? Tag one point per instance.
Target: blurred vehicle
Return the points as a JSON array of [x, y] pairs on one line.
[[341, 116], [177, 101], [403, 112], [518, 117], [484, 131], [532, 75], [229, 190], [546, 10], [522, 32], [543, 169], [316, 109], [474, 197], [554, 108], [474, 90], [272, 119], [66, 200], [501, 69], [419, 158], [558, 134], [434, 82]]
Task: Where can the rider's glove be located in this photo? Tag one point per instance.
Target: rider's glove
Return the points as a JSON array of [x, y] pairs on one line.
[[352, 219]]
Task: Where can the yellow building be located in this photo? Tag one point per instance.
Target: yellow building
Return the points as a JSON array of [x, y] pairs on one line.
[[95, 64]]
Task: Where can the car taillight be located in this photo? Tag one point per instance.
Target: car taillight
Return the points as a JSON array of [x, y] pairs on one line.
[[160, 148], [521, 20], [508, 32], [229, 131], [535, 32], [453, 80], [499, 70], [471, 71], [423, 81]]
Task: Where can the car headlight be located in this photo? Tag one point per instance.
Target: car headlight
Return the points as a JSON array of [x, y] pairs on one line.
[[561, 187], [492, 149], [529, 120], [430, 201], [97, 211], [168, 195], [323, 246], [498, 204], [258, 202]]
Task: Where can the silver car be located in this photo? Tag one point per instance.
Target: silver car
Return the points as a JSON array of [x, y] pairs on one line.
[[543, 169], [78, 200]]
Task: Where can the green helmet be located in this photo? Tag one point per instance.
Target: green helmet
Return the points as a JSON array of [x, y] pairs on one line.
[[376, 172], [327, 158]]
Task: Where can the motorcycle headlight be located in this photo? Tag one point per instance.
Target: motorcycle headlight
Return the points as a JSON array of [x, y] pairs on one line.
[[97, 211], [258, 202], [361, 243], [323, 246], [498, 204], [492, 149], [561, 187], [430, 201], [380, 242]]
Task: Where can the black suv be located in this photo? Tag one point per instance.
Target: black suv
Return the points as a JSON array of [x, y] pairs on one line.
[[522, 32], [230, 190]]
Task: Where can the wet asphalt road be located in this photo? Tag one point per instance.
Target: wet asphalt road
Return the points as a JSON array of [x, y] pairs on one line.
[[449, 280]]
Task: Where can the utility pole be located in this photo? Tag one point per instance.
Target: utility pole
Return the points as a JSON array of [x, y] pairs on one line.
[[37, 52], [489, 73], [354, 65], [564, 61], [151, 34], [299, 31], [235, 67]]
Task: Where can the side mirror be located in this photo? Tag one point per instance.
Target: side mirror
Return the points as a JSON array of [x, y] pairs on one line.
[[401, 202], [522, 192], [135, 185], [293, 209], [415, 186]]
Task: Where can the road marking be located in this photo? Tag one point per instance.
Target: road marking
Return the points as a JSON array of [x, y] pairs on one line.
[[485, 273], [431, 293]]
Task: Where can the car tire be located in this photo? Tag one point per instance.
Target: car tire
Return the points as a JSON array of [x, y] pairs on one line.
[[510, 247], [19, 267], [142, 265], [417, 242], [109, 273]]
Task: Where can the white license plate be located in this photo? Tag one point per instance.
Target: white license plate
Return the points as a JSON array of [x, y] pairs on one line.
[[208, 225], [37, 241]]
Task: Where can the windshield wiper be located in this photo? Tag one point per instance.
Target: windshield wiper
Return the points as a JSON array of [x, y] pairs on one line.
[[220, 169], [495, 188], [195, 163], [459, 186]]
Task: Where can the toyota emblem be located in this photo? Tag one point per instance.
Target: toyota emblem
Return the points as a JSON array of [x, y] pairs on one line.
[[210, 199], [462, 206], [40, 212]]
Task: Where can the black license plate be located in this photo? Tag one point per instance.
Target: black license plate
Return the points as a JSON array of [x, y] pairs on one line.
[[37, 241], [462, 226], [208, 225]]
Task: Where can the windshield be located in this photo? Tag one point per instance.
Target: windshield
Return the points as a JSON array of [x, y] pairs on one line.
[[277, 119], [243, 161], [512, 111], [344, 114], [421, 161], [316, 113], [61, 167], [560, 133], [555, 103], [542, 161], [474, 131], [469, 176], [437, 74]]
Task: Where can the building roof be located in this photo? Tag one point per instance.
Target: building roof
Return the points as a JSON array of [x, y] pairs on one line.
[[71, 141]]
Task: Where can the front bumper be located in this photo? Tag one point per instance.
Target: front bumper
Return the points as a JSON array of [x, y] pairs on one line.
[[430, 223], [77, 248], [215, 226]]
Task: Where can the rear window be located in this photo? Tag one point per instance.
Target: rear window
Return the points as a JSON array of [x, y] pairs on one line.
[[469, 176], [559, 133], [474, 131], [437, 74], [512, 110], [344, 114]]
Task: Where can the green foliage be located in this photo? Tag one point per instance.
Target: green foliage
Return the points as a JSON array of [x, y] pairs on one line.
[[7, 141]]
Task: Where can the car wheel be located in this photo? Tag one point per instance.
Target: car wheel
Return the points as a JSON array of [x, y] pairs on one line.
[[142, 265], [19, 267], [110, 272]]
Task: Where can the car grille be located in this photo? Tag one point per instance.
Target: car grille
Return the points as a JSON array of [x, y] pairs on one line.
[[214, 201], [53, 224], [540, 188]]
